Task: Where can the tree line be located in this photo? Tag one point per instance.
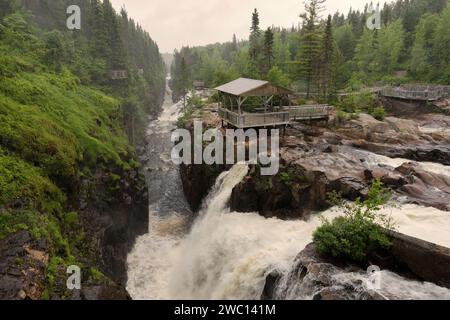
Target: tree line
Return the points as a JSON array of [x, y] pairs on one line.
[[322, 55], [107, 41]]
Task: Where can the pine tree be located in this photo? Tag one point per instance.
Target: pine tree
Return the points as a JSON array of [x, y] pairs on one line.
[[441, 48], [327, 58], [386, 14], [255, 44], [268, 50], [311, 43], [422, 50], [116, 55], [7, 7], [184, 79], [234, 43]]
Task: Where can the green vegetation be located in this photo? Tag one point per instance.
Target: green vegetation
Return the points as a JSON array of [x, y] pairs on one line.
[[63, 119], [285, 177], [352, 105], [194, 103], [361, 231], [327, 54], [379, 113]]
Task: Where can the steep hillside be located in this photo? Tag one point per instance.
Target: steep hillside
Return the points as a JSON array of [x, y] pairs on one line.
[[70, 188]]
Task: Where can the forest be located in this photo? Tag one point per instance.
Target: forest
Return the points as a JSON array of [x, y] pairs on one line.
[[107, 41], [69, 133], [322, 55]]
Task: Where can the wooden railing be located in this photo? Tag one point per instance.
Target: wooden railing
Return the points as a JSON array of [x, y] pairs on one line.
[[446, 89], [287, 114], [254, 120], [423, 93], [309, 112]]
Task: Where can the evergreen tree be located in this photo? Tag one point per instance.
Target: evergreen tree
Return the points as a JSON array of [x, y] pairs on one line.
[[234, 43], [7, 7], [311, 43], [359, 55], [184, 79], [327, 58], [268, 50], [441, 48], [255, 44], [422, 50]]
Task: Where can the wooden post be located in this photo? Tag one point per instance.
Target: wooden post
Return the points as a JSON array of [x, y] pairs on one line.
[[240, 103], [231, 101]]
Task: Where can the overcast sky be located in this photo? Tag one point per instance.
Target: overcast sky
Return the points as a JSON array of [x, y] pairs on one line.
[[175, 23]]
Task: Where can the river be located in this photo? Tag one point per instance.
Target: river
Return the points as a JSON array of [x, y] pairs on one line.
[[227, 255]]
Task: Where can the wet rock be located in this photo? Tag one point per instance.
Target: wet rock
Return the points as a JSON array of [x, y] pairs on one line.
[[198, 181], [113, 215], [270, 287], [316, 277], [110, 292], [426, 188], [24, 261], [427, 261]]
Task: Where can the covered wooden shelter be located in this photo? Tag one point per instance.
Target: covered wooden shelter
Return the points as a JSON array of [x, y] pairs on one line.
[[235, 93]]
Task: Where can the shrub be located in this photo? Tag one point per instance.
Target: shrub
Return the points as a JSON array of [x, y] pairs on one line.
[[195, 101], [379, 113], [361, 231], [285, 177], [341, 116]]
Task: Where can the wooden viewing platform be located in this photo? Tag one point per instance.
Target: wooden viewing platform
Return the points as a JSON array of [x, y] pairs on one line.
[[234, 94], [254, 120]]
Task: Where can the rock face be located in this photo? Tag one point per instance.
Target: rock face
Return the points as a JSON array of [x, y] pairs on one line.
[[316, 161], [24, 280], [111, 220], [23, 271], [427, 261], [315, 277], [114, 218], [198, 181]]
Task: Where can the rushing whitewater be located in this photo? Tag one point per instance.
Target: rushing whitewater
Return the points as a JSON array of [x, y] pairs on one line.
[[228, 255]]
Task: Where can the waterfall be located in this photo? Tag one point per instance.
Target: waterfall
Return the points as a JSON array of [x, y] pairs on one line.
[[228, 255]]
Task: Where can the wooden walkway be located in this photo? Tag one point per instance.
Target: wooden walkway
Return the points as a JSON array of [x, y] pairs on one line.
[[309, 112], [254, 120], [273, 119], [405, 92], [418, 93]]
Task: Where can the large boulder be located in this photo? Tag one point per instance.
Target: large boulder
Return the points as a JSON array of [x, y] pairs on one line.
[[317, 277], [426, 260]]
